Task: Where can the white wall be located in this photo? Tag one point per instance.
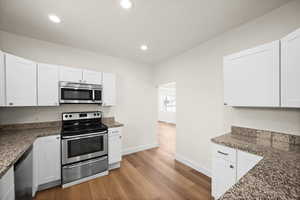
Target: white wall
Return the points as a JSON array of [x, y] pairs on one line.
[[199, 80], [165, 116], [136, 94]]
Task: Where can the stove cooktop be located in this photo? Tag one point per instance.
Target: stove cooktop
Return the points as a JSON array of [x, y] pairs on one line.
[[82, 123]]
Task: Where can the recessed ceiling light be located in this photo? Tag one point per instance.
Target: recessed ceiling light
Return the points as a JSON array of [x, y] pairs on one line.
[[54, 19], [144, 47], [126, 4]]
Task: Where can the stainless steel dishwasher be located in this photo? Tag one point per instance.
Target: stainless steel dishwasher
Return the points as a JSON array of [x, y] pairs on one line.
[[23, 176]]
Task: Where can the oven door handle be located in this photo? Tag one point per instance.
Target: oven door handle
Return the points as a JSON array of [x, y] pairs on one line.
[[84, 136], [85, 163]]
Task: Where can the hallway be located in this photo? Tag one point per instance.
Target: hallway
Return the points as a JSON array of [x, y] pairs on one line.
[[167, 137]]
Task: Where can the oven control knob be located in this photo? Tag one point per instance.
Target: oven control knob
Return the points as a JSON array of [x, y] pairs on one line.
[[66, 116], [70, 115], [94, 114]]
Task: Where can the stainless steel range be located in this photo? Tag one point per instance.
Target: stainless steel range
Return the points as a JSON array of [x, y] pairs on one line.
[[84, 143]]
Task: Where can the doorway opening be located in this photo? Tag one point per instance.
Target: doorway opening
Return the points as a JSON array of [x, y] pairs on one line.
[[167, 118]]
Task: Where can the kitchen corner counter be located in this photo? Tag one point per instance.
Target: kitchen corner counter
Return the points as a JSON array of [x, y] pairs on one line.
[[111, 122], [16, 139], [277, 175]]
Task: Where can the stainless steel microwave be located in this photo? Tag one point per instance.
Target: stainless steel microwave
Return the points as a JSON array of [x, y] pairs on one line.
[[72, 93]]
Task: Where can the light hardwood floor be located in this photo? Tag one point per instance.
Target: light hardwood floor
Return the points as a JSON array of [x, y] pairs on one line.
[[151, 174]]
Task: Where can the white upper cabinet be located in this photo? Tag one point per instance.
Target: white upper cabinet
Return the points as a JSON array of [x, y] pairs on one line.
[[109, 89], [21, 81], [92, 77], [2, 80], [251, 77], [80, 75], [70, 74], [48, 77], [290, 70]]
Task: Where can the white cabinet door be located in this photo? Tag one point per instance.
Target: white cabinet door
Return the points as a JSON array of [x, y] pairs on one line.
[[251, 77], [70, 74], [290, 70], [109, 89], [48, 77], [7, 186], [21, 81], [245, 162], [223, 176], [2, 80], [48, 159], [92, 77], [114, 145]]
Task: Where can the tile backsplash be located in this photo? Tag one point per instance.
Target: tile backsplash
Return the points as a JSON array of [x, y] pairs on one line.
[[14, 115]]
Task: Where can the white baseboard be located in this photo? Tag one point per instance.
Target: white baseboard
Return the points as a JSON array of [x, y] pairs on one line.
[[139, 148], [193, 165]]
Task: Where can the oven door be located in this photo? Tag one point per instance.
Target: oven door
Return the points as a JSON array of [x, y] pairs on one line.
[[78, 148]]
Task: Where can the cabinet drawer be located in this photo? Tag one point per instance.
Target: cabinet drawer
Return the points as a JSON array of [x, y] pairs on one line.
[[84, 169], [225, 153], [114, 131]]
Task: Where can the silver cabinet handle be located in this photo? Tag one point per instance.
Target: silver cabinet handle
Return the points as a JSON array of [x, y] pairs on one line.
[[225, 154], [225, 104], [120, 137], [231, 166], [10, 103], [57, 137]]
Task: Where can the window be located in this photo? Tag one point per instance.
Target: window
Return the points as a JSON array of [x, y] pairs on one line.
[[168, 103]]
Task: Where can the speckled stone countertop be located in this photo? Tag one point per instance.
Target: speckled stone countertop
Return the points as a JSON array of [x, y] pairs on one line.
[[277, 175], [110, 122], [15, 139]]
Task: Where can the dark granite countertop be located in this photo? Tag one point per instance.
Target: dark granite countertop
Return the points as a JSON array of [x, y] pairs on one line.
[[110, 122], [15, 139], [277, 175]]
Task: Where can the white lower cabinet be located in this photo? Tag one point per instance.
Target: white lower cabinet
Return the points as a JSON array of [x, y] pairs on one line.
[[114, 147], [223, 169], [7, 185], [245, 162], [228, 166], [47, 162]]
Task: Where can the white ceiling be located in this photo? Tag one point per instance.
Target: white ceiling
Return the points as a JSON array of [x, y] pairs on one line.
[[168, 27]]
